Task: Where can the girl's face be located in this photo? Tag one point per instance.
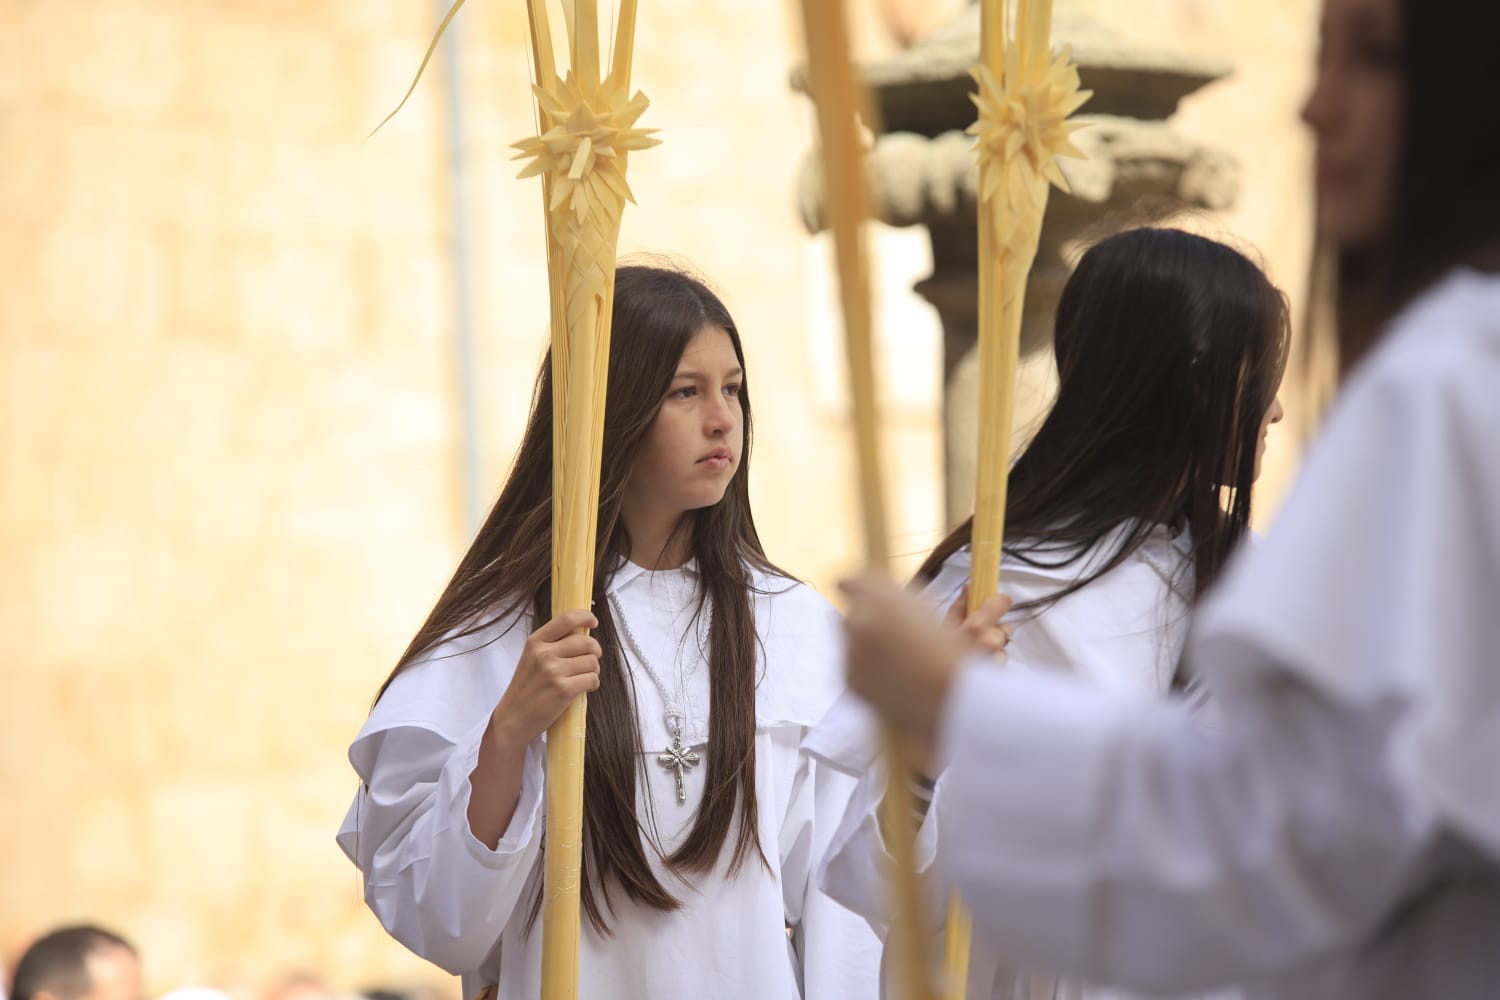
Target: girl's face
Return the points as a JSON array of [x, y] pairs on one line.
[[693, 447], [1355, 112], [1274, 415]]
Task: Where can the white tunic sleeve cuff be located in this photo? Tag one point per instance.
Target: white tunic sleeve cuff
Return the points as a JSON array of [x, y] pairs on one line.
[[855, 870], [432, 883], [455, 788]]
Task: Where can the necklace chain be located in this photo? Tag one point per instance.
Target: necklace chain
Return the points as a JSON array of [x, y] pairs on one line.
[[676, 757], [674, 704]]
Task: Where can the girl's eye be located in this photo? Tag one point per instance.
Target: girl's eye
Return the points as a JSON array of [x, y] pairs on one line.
[[732, 390], [685, 392]]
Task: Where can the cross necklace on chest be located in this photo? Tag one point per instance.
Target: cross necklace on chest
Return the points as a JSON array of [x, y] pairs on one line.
[[676, 757]]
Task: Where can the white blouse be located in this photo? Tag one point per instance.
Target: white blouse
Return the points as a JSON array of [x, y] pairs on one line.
[[766, 932], [1123, 633]]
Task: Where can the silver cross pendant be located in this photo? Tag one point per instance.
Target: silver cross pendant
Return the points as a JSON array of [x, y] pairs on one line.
[[679, 758]]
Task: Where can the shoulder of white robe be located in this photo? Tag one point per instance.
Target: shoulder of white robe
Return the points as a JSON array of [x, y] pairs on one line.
[[847, 738], [801, 663], [1379, 582], [453, 687]]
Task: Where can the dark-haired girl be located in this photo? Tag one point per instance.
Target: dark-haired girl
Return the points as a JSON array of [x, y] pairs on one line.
[[1120, 512], [704, 665]]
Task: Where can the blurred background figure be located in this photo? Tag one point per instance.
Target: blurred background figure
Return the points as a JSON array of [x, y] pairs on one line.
[[79, 963], [197, 993], [303, 986]]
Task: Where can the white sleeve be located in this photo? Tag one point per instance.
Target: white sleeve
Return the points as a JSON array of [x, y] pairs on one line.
[[1379, 583], [1123, 843], [855, 869], [839, 952], [436, 888]]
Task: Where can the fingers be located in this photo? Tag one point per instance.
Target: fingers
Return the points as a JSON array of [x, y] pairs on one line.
[[580, 644], [899, 658], [866, 585], [560, 662], [570, 666], [992, 640], [956, 611], [559, 639], [583, 681], [569, 657], [566, 624], [868, 593], [983, 628], [995, 607]]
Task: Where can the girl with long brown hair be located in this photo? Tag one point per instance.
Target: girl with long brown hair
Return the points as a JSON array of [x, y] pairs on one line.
[[704, 665]]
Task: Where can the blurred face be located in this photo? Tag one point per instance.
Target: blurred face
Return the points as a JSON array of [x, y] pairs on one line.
[[1355, 112], [1274, 415], [114, 974], [694, 445]]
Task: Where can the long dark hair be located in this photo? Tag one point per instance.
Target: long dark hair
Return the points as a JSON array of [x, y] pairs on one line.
[[1446, 207], [507, 570], [1169, 349]]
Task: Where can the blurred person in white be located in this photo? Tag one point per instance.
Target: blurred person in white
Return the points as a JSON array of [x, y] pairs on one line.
[[1339, 836], [81, 962], [1121, 513]]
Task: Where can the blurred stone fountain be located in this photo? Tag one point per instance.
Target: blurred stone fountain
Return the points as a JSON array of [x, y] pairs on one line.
[[922, 173]]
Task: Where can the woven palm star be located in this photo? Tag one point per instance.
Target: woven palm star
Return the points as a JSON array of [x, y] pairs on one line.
[[1021, 131], [583, 151]]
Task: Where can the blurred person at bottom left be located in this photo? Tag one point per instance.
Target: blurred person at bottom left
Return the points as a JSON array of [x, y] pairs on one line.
[[82, 962]]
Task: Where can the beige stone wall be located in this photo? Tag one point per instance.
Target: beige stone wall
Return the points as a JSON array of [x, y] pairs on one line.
[[229, 460], [231, 474], [226, 439]]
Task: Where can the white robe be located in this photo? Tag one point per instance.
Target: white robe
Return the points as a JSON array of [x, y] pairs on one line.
[[766, 934], [1123, 633], [1339, 837]]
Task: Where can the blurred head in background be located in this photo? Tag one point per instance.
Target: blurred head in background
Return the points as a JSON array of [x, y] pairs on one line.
[[78, 963]]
